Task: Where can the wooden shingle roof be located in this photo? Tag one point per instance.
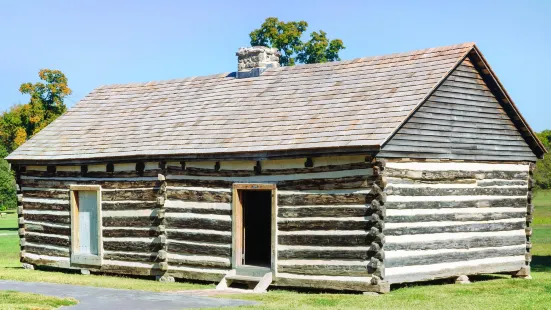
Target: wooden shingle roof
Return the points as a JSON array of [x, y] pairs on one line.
[[345, 104]]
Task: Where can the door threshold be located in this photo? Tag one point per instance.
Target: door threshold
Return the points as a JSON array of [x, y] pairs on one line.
[[251, 270]]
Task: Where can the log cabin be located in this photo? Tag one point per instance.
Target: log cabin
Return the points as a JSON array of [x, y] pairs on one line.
[[348, 175]]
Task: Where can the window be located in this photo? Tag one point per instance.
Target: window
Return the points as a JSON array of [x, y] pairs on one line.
[[86, 239]]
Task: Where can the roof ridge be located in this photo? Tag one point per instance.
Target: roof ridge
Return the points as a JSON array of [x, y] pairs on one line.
[[299, 66]]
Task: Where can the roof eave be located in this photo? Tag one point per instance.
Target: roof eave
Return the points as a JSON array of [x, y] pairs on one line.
[[261, 155]]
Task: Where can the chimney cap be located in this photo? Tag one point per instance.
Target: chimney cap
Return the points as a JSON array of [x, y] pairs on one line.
[[244, 51]]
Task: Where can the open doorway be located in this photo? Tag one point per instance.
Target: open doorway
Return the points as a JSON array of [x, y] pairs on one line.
[[257, 226], [253, 219]]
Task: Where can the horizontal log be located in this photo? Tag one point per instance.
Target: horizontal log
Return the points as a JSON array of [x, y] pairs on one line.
[[323, 199], [340, 284], [465, 191], [194, 195], [196, 275], [47, 239], [46, 193], [201, 183], [301, 184], [486, 216], [46, 251], [130, 232], [35, 173], [296, 225], [131, 221], [323, 211], [46, 206], [128, 205], [456, 243], [132, 246], [153, 270], [183, 261], [105, 184], [198, 223], [328, 239], [199, 236], [452, 228], [123, 174], [327, 270], [351, 182], [39, 260], [473, 267], [320, 253], [131, 257], [48, 218], [198, 248], [443, 175], [483, 183], [215, 208], [205, 211], [46, 229], [392, 180], [448, 257], [471, 203], [176, 170], [130, 194]]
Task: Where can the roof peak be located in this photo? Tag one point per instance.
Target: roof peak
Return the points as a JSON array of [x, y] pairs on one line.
[[232, 74]]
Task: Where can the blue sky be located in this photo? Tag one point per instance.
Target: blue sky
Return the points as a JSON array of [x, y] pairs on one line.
[[105, 42]]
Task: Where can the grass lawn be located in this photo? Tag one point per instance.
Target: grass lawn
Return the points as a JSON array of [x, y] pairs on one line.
[[487, 292], [24, 301]]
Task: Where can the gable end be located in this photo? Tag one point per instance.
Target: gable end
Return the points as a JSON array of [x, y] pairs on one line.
[[464, 119]]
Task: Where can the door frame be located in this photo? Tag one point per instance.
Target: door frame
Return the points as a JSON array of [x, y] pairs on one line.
[[237, 222], [76, 257]]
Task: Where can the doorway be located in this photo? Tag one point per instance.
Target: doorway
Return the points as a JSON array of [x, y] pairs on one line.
[[254, 220], [257, 219]]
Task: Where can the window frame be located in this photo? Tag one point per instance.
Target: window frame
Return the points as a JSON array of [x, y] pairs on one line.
[[76, 257]]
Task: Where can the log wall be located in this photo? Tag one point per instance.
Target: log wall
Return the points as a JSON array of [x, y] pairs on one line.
[[445, 219], [323, 203], [133, 234], [175, 218]]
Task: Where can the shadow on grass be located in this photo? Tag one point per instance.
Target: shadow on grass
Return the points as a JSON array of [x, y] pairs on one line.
[[9, 229], [541, 263]]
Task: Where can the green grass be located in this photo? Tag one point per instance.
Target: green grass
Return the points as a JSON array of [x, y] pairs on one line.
[[486, 292], [10, 300]]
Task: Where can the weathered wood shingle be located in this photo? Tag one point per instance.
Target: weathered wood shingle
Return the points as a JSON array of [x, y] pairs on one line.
[[342, 104]]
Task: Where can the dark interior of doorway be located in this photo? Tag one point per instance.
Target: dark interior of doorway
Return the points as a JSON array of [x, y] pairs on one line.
[[257, 227]]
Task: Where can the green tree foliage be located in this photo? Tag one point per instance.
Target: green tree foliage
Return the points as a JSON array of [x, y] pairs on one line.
[[8, 198], [22, 121], [542, 174], [286, 37]]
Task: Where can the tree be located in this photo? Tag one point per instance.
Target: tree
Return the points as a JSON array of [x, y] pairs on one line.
[[542, 174], [46, 104], [22, 121], [286, 37], [8, 192]]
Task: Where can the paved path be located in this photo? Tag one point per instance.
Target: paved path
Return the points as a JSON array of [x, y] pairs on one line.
[[116, 299]]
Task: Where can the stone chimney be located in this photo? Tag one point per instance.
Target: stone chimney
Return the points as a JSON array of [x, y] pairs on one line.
[[252, 61]]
